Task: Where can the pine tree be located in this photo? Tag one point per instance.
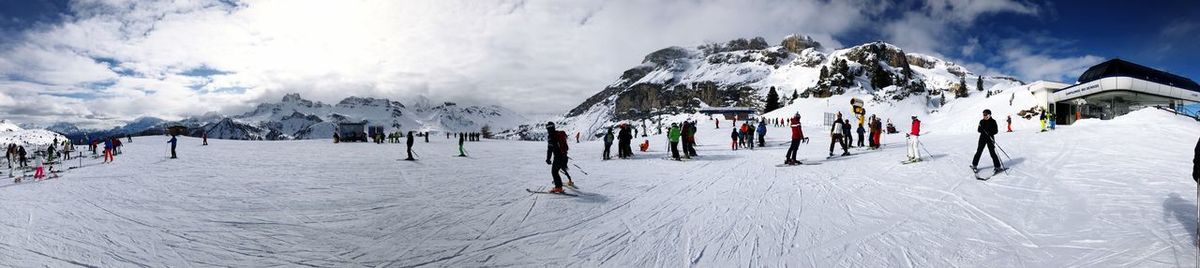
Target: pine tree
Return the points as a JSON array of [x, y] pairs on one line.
[[772, 101], [795, 95], [979, 83]]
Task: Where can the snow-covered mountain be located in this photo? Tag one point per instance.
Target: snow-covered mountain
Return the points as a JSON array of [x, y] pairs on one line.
[[32, 139], [297, 118], [680, 80], [294, 117]]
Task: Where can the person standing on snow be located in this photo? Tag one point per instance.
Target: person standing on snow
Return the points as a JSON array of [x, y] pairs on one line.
[[876, 132], [987, 136], [861, 132], [836, 133], [556, 150], [624, 142], [173, 142], [462, 152], [673, 138], [748, 134], [762, 133], [108, 150], [1009, 120], [847, 136], [797, 135], [204, 138], [1196, 164], [914, 154], [608, 140], [50, 151], [1042, 119], [734, 136], [22, 156], [689, 139], [409, 144]]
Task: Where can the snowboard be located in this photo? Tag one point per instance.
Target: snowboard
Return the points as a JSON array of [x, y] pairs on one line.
[[988, 177], [545, 192]]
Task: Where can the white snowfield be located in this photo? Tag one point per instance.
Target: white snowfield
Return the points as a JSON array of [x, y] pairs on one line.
[[1097, 194]]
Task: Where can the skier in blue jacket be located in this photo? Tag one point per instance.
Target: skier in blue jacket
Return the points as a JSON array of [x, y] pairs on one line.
[[173, 142], [762, 133]]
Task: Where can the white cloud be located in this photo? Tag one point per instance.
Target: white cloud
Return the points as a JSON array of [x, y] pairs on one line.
[[534, 56], [1031, 65]]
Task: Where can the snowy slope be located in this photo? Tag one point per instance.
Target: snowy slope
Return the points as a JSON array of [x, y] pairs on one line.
[[32, 139], [1074, 198]]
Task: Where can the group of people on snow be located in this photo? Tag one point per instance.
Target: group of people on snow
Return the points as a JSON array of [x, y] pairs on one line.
[[685, 133]]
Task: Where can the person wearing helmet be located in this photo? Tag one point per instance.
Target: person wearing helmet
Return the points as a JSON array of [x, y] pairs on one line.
[[556, 150], [914, 155]]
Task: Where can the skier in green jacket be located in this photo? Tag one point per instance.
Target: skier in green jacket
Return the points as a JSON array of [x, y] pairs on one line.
[[673, 137]]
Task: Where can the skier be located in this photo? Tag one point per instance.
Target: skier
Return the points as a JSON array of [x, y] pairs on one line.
[[22, 156], [204, 138], [718, 121], [987, 136], [673, 138], [797, 135], [734, 136], [173, 142], [108, 150], [861, 132], [689, 139], [50, 151], [624, 142], [847, 136], [1042, 119], [409, 146], [556, 149], [129, 138], [687, 136], [748, 135], [914, 155], [576, 137], [762, 133], [876, 131], [836, 132], [1051, 119], [462, 152], [1009, 120], [426, 137], [608, 139]]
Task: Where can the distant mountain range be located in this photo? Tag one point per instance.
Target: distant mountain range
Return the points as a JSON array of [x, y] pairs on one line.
[[297, 118]]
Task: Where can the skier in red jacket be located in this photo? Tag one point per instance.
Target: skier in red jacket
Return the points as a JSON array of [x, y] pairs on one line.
[[914, 155], [797, 135]]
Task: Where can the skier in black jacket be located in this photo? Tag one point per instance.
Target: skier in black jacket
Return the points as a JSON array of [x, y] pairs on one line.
[[987, 136], [410, 144], [1196, 163], [556, 150]]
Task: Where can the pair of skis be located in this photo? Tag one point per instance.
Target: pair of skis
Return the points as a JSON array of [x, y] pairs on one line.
[[988, 177], [543, 191]]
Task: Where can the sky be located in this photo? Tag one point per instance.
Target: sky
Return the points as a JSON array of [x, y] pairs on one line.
[[100, 62]]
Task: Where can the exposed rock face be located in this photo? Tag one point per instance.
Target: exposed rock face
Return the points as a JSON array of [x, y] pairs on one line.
[[680, 80]]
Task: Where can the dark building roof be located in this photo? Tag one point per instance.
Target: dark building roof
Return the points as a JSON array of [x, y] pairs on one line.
[[1119, 67]]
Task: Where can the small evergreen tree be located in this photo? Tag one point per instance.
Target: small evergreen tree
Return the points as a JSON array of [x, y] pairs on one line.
[[772, 101], [979, 83]]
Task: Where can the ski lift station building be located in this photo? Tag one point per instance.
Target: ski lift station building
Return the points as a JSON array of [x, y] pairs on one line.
[[1114, 88]]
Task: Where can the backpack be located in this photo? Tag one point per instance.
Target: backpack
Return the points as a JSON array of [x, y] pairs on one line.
[[560, 141]]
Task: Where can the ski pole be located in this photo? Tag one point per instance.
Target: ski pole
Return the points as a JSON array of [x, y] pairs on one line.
[[922, 144], [580, 169], [1001, 149]]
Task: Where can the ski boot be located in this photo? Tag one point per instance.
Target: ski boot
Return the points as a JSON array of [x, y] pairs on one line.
[[570, 183], [556, 190], [846, 154]]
